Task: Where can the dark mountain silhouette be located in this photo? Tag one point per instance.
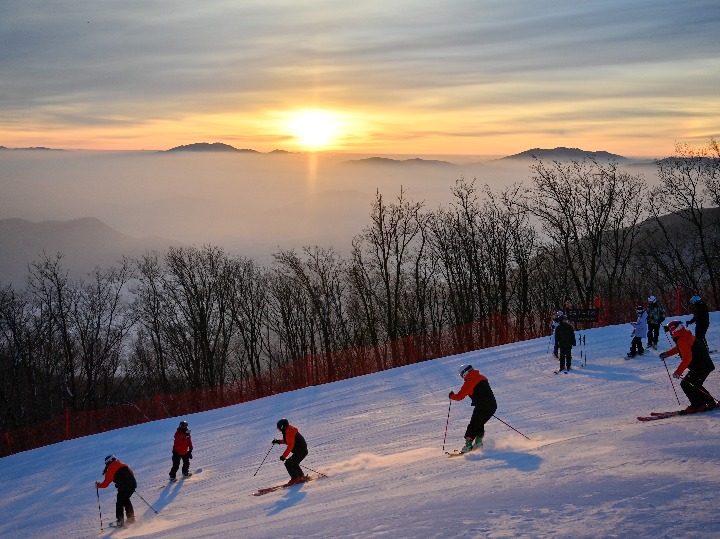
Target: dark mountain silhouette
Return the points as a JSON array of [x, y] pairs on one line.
[[567, 154], [209, 147], [84, 243], [385, 161], [36, 148]]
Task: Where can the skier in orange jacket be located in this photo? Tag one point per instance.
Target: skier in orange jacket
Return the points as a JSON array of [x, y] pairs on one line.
[[482, 399], [694, 357], [297, 446], [124, 479]]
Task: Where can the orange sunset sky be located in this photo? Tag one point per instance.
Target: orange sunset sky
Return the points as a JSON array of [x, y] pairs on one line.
[[481, 77]]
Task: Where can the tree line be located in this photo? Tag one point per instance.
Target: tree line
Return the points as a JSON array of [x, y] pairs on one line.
[[195, 317]]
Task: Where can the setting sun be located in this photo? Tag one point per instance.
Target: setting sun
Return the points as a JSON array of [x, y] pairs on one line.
[[314, 128]]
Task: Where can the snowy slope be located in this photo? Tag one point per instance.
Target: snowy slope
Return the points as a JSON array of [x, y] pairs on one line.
[[590, 469]]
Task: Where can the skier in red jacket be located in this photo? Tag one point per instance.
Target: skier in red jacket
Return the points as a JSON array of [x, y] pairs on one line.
[[182, 450], [694, 357], [124, 479], [297, 446], [482, 399]]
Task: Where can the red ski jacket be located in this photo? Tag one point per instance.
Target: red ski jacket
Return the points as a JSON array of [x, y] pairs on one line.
[[183, 443], [472, 379], [684, 340], [120, 473]]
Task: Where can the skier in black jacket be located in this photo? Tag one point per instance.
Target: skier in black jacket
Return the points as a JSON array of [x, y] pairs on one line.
[[701, 319], [565, 339]]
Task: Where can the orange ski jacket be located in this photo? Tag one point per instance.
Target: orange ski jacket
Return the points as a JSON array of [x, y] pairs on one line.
[[683, 345]]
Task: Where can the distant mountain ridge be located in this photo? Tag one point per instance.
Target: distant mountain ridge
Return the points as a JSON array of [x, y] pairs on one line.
[[566, 154], [399, 162], [216, 147]]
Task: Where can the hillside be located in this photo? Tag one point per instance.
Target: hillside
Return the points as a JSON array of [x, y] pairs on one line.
[[85, 243], [589, 469]]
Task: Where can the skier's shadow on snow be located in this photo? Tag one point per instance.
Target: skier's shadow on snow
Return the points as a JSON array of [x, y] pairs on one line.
[[290, 498], [521, 461], [168, 494], [616, 373]]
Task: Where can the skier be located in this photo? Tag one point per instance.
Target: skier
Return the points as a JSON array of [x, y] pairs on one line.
[[655, 317], [482, 399], [565, 339], [701, 319], [694, 357], [297, 446], [182, 450], [125, 483], [640, 329], [557, 318]]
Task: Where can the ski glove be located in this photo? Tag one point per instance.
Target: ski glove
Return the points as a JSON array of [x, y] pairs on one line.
[[276, 441], [189, 454], [662, 355], [676, 375], [450, 396], [282, 458]]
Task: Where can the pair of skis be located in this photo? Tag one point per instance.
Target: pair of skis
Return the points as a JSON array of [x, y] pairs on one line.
[[268, 490], [664, 415]]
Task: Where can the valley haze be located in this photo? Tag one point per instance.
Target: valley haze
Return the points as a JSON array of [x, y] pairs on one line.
[[96, 206]]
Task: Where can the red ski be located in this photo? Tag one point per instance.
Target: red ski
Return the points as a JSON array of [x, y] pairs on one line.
[[268, 490], [664, 415], [659, 415]]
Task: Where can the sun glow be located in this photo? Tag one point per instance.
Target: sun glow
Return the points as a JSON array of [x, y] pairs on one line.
[[314, 128]]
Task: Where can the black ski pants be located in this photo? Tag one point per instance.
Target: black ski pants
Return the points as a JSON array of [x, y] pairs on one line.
[[292, 464], [176, 458], [565, 358], [123, 504], [480, 416], [653, 333], [692, 386]]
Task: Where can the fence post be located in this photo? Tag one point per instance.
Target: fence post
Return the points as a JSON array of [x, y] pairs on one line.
[[678, 300], [7, 438], [67, 422]]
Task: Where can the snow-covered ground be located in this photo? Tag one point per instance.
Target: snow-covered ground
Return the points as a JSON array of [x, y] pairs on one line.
[[589, 469]]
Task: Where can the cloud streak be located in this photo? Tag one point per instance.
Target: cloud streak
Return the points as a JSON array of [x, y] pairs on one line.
[[144, 72]]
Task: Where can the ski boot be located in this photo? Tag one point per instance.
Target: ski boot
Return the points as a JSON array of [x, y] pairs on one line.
[[468, 446]]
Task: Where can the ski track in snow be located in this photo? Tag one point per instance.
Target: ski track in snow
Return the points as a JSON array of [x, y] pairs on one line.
[[589, 469]]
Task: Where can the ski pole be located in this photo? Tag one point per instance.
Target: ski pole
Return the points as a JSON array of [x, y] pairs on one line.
[[668, 371], [314, 471], [263, 460], [700, 389], [671, 382], [97, 491], [508, 425], [446, 425], [143, 499]]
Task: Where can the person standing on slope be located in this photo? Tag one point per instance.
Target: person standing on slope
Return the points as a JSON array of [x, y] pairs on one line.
[[125, 483], [701, 319], [182, 450], [640, 329], [565, 339], [655, 317], [482, 399], [297, 446], [694, 357]]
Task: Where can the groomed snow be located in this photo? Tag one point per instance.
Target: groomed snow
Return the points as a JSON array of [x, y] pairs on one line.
[[590, 469]]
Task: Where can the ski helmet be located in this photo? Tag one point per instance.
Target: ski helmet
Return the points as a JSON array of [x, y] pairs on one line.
[[282, 424], [183, 425], [109, 459], [695, 299], [464, 369], [639, 309], [652, 299], [559, 314], [673, 326]]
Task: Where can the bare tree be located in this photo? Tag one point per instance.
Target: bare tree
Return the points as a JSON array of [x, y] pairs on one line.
[[578, 203]]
